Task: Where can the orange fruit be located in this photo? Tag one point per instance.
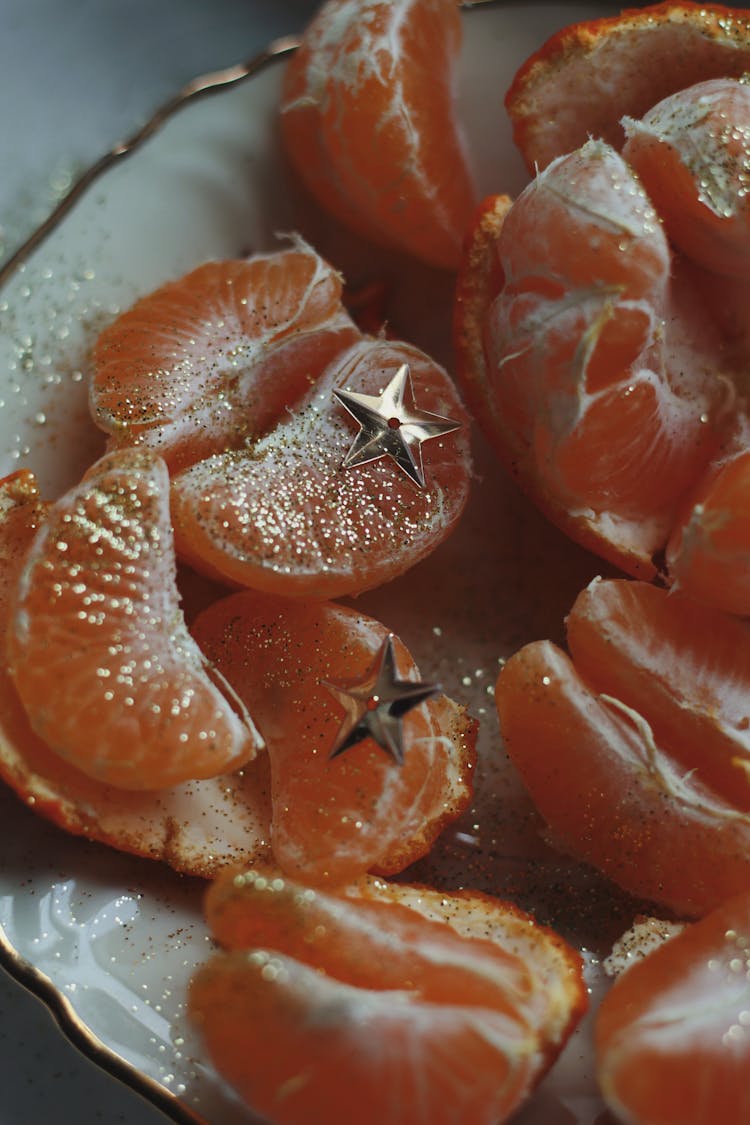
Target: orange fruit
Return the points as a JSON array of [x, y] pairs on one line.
[[592, 372], [335, 818], [708, 553], [368, 122], [357, 1007], [588, 76], [671, 1036], [683, 666], [210, 360], [285, 517], [196, 827], [630, 751], [97, 642], [617, 395], [691, 152]]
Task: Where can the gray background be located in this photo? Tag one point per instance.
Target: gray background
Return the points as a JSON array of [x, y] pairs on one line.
[[77, 76]]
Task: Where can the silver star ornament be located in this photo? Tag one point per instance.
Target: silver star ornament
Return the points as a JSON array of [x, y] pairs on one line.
[[375, 705], [389, 428]]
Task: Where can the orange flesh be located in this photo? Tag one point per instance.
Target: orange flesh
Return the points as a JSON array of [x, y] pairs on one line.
[[671, 1036], [616, 392], [196, 828], [692, 153], [212, 359], [683, 666], [708, 554], [611, 795], [285, 518], [368, 122], [369, 944], [430, 1025], [334, 819], [96, 618], [576, 349]]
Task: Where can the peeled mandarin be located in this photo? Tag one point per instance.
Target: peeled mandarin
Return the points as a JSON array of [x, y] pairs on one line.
[[99, 652], [285, 516], [611, 794], [335, 818], [368, 122], [671, 1036], [210, 360], [197, 827], [363, 1005]]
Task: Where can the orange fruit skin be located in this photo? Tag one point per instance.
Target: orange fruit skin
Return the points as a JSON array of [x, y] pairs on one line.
[[610, 795], [368, 122], [334, 819], [212, 359], [585, 78], [96, 619], [691, 152], [671, 1035], [285, 518], [196, 828], [385, 1012], [683, 666]]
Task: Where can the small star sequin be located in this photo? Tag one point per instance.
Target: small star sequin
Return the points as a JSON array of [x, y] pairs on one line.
[[375, 705], [389, 428]]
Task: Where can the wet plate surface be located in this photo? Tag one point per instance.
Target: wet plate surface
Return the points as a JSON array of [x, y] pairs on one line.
[[111, 941]]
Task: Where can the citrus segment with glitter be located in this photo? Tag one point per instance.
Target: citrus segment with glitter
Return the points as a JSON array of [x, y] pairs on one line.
[[197, 827], [335, 818], [620, 753], [368, 122], [390, 1014], [210, 360], [287, 517], [672, 1035], [98, 648]]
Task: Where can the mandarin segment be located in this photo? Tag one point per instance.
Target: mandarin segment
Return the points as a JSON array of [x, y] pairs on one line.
[[210, 360], [588, 383], [96, 618], [368, 122], [611, 795], [368, 943], [584, 79], [335, 818], [672, 1038], [300, 1046], [615, 400], [286, 518], [692, 154], [683, 666], [708, 553], [429, 1023], [197, 827]]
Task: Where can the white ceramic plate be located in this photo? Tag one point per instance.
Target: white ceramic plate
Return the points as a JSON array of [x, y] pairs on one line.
[[109, 941]]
